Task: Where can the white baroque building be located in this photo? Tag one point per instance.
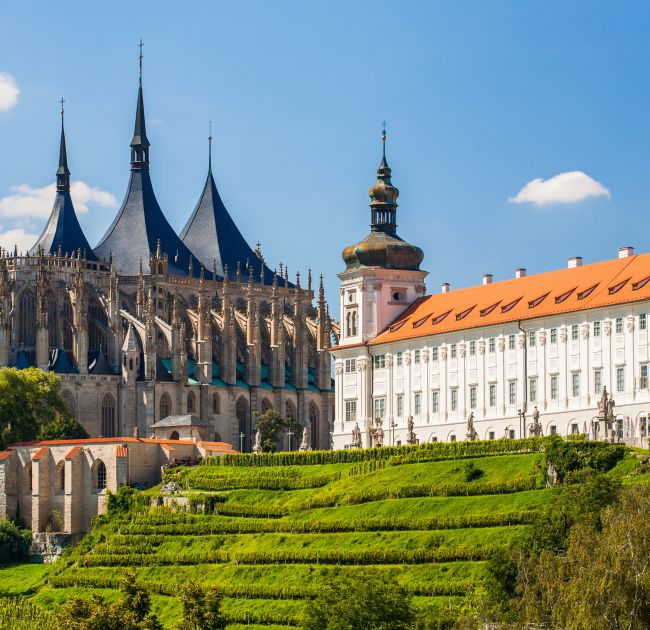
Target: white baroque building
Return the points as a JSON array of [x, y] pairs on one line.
[[498, 350]]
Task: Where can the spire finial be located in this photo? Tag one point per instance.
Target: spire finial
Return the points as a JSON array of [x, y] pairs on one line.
[[62, 173], [140, 45], [210, 150], [383, 139]]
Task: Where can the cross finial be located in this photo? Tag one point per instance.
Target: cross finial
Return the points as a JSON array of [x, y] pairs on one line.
[[61, 103], [383, 137], [140, 45], [210, 149]]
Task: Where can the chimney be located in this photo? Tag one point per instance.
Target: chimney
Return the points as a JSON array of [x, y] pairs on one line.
[[487, 278], [625, 252], [576, 261], [520, 273], [445, 287]]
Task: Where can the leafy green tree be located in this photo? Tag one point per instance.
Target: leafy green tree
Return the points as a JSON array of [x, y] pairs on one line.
[[270, 423], [63, 427], [30, 400], [358, 601], [201, 607], [132, 611], [14, 542]]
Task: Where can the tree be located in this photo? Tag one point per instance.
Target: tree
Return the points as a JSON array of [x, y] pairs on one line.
[[357, 601], [270, 423], [132, 611], [14, 542], [63, 427], [30, 401], [201, 607]]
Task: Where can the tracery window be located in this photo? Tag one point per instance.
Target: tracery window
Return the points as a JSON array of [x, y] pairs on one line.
[[27, 319], [216, 403], [100, 475], [190, 402], [108, 416], [165, 406]]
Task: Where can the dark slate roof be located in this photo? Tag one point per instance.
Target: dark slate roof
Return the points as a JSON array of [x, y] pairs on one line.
[[187, 420], [60, 363], [212, 235], [136, 229], [22, 360], [100, 365], [63, 230]]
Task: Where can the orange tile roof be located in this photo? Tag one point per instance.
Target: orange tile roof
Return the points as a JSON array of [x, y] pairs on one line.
[[120, 440], [39, 453], [121, 451], [607, 283], [4, 455], [73, 451], [167, 447]]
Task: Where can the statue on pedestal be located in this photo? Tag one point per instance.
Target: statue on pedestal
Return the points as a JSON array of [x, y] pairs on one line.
[[257, 447], [410, 434], [304, 445], [536, 428], [471, 433], [356, 436], [606, 416], [377, 433]]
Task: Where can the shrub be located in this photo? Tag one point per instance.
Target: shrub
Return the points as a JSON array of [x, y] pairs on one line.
[[14, 542], [472, 472], [568, 456]]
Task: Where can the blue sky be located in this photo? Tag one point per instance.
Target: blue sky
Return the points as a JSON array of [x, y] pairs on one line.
[[480, 98]]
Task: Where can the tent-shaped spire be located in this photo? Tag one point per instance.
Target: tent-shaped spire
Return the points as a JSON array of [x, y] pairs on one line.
[[140, 223], [213, 236], [62, 231]]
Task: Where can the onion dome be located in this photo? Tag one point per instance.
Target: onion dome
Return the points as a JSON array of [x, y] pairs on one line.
[[383, 247]]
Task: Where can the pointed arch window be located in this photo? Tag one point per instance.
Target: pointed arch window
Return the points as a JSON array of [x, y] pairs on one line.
[[68, 399], [290, 410], [165, 406], [190, 402], [59, 479], [108, 416], [216, 403], [100, 475], [27, 319]]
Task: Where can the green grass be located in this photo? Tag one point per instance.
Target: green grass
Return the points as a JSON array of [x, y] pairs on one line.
[[22, 579]]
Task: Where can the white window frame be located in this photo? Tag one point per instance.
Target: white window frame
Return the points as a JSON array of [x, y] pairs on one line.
[[435, 401], [417, 403], [575, 384], [350, 366], [453, 399], [492, 395], [553, 386], [620, 379], [351, 410]]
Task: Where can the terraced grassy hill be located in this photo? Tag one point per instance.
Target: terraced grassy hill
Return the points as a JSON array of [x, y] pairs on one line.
[[269, 530]]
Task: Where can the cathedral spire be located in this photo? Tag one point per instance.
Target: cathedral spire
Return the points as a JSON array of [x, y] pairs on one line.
[[140, 142], [63, 173]]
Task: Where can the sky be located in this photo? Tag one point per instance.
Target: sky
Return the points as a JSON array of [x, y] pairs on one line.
[[518, 131]]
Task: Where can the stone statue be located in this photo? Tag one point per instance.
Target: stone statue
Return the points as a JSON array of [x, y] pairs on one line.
[[603, 404], [379, 436], [536, 428], [304, 445], [410, 434], [356, 436], [257, 447], [471, 433]]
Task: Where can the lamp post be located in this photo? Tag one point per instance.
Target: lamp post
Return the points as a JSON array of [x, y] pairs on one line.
[[393, 424], [522, 422], [241, 442], [289, 434]]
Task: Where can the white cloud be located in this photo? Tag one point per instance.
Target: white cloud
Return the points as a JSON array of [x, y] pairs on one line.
[[8, 91], [17, 237], [570, 187], [26, 201]]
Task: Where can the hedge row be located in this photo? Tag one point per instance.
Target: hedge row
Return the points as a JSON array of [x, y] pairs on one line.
[[369, 524], [20, 613], [288, 479], [140, 559], [409, 453]]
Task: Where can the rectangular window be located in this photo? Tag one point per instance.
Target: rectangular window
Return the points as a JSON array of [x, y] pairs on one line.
[[554, 387], [511, 342], [532, 389], [434, 354], [416, 357], [574, 332], [490, 435], [452, 350], [493, 395], [454, 399], [643, 323], [472, 348], [532, 338], [398, 359], [350, 410], [472, 397], [492, 344], [512, 392], [575, 384], [350, 366], [400, 405], [435, 401], [620, 379], [452, 438], [380, 361], [553, 335], [619, 325], [644, 377], [511, 434], [417, 403], [574, 428], [553, 429], [380, 407], [596, 329], [598, 382]]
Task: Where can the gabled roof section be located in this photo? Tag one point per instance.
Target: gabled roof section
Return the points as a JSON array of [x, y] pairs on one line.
[[601, 284], [213, 236], [60, 363]]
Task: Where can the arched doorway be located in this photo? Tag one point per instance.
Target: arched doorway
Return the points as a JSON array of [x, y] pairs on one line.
[[314, 421], [242, 412], [173, 435]]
